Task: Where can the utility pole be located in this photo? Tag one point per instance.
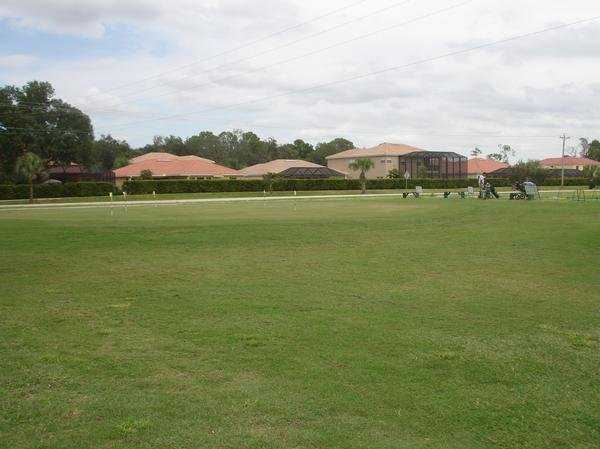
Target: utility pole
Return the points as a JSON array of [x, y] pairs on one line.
[[564, 138]]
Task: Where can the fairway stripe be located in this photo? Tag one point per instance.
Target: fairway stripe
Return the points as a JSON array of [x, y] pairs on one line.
[[90, 205]]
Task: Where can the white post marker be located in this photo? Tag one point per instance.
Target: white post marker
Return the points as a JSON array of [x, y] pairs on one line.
[[110, 195], [124, 195], [295, 193], [154, 194]]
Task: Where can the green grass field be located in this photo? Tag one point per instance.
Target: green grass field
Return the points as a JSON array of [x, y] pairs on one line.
[[351, 323]]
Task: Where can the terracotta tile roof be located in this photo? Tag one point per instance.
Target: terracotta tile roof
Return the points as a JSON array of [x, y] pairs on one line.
[[196, 158], [383, 149], [174, 166], [156, 156], [569, 160], [478, 165], [276, 166]]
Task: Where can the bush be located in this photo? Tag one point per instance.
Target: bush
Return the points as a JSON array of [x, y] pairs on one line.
[[141, 187], [146, 174], [7, 192], [69, 189]]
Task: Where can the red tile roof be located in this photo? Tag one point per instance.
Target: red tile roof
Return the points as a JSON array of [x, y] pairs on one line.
[[569, 160], [156, 156], [169, 165], [478, 165], [383, 149]]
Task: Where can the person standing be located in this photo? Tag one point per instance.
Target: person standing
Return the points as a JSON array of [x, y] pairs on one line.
[[481, 180]]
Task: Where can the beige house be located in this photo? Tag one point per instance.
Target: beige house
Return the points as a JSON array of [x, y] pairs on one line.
[[570, 162], [416, 162], [385, 157], [276, 166]]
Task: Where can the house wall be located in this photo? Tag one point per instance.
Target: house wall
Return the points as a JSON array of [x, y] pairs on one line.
[[381, 166], [570, 167]]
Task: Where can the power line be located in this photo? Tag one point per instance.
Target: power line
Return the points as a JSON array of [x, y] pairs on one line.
[[416, 132], [85, 111], [33, 131], [311, 53], [287, 44], [564, 139], [369, 74], [240, 47], [44, 108]]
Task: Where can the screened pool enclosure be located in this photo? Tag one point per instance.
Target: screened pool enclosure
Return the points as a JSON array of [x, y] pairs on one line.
[[433, 165]]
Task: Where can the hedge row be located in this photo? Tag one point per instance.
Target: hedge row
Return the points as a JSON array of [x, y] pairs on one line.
[[83, 189], [136, 187], [287, 185], [69, 189]]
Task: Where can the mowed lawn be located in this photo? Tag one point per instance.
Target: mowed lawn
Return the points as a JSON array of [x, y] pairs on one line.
[[351, 323]]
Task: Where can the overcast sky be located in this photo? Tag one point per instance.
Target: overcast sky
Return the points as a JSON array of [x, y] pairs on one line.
[[99, 55]]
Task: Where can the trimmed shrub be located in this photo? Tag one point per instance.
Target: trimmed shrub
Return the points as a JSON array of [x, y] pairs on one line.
[[7, 192], [140, 187]]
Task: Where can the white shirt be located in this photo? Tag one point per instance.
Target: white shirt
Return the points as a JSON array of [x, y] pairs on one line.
[[481, 181]]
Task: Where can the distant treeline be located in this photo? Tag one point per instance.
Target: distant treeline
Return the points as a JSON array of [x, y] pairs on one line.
[[239, 149], [32, 120]]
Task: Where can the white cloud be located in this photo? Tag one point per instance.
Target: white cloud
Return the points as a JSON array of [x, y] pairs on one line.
[[13, 62]]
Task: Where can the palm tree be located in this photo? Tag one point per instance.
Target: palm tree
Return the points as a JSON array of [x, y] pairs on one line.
[[362, 165], [29, 166]]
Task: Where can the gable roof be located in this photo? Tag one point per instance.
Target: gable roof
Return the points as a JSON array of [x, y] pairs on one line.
[[156, 156], [174, 166], [311, 173], [479, 165], [509, 172], [276, 166], [569, 160], [383, 149]]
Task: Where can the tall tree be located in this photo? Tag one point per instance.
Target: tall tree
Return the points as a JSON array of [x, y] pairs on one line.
[[32, 120], [29, 166], [334, 146], [109, 152], [230, 144], [476, 152], [299, 149], [505, 152], [594, 150], [206, 145], [584, 143]]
